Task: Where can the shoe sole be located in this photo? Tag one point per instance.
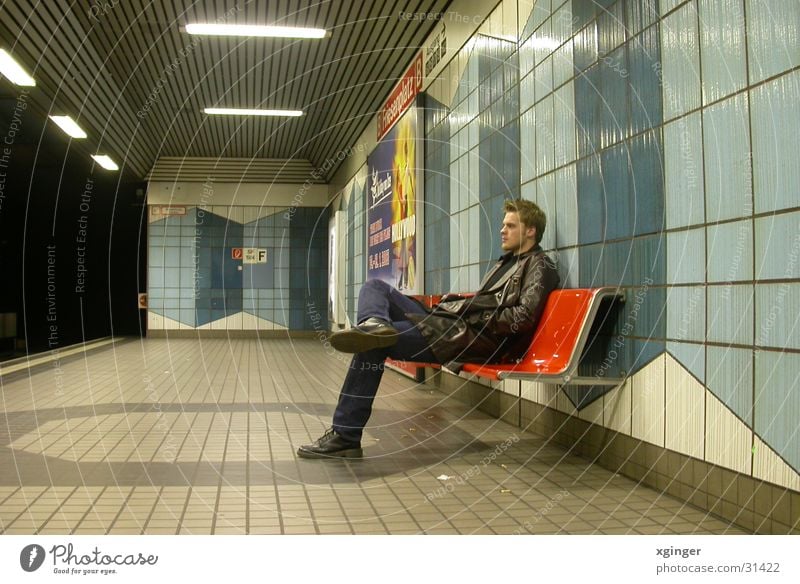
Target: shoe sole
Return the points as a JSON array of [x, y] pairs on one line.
[[356, 341], [350, 453]]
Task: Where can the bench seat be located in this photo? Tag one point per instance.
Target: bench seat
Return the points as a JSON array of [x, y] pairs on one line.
[[570, 317]]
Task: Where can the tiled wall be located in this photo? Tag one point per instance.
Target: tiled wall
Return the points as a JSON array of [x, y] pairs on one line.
[[660, 138], [353, 201], [194, 283]]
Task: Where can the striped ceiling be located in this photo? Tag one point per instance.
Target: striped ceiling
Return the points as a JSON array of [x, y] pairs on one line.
[[137, 84]]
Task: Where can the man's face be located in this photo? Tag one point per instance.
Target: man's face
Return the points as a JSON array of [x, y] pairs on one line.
[[514, 236]]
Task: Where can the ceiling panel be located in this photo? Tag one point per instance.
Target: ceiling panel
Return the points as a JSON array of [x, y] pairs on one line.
[[137, 83]]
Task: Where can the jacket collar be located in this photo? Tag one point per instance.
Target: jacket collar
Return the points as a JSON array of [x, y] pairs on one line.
[[535, 249], [510, 257]]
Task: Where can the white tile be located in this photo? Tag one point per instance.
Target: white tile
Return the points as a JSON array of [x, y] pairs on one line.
[[524, 9], [545, 394], [775, 123], [617, 408], [509, 20], [563, 404], [728, 439], [564, 123], [722, 48], [684, 411], [545, 140], [509, 386], [647, 402], [154, 321], [680, 57], [768, 466], [727, 156], [683, 177], [773, 30], [593, 412]]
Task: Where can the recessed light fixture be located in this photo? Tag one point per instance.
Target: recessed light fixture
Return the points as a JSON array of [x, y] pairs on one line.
[[69, 126], [251, 30], [105, 161], [228, 111], [14, 71]]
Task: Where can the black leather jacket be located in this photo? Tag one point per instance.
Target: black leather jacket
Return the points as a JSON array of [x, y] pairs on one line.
[[497, 323]]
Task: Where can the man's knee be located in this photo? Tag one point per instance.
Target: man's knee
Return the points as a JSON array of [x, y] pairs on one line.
[[377, 285]]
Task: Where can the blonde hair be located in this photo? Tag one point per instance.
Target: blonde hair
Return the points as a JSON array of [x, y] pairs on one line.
[[529, 214]]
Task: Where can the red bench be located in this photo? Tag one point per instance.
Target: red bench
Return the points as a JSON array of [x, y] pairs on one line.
[[569, 320]]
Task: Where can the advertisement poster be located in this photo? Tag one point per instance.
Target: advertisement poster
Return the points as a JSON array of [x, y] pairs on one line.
[[394, 219]]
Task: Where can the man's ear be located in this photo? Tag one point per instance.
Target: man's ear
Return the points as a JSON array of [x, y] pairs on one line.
[[531, 233]]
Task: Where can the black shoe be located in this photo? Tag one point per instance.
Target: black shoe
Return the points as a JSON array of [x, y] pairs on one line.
[[373, 333], [331, 445]]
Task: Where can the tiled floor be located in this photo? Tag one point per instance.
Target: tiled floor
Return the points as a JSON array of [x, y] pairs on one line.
[[190, 436]]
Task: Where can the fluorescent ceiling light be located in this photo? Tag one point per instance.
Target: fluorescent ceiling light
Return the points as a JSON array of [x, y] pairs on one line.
[[255, 31], [14, 71], [105, 161], [227, 111], [69, 126]]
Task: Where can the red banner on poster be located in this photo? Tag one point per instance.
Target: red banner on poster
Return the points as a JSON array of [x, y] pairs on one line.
[[401, 98]]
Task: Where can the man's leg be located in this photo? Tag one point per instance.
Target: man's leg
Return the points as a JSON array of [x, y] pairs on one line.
[[377, 299], [379, 305], [366, 370], [364, 376]]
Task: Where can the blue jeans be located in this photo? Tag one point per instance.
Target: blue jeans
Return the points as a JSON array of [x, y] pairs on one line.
[[377, 299]]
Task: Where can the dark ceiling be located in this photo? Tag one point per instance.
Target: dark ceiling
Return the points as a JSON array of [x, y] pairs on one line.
[[137, 84]]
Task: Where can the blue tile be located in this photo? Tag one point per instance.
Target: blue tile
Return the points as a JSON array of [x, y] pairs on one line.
[[730, 378], [773, 29], [591, 205], [611, 28], [175, 314], [777, 246], [568, 268], [644, 61], [585, 46], [562, 21], [686, 257], [648, 182], [644, 311], [730, 252], [639, 15], [616, 192], [565, 223], [545, 132], [187, 277], [777, 403], [546, 199], [686, 310], [588, 103], [775, 123], [683, 161], [641, 353], [722, 48], [527, 146], [726, 143], [614, 122], [692, 357], [582, 13], [776, 315], [649, 262], [591, 273], [617, 263], [172, 257], [730, 314]]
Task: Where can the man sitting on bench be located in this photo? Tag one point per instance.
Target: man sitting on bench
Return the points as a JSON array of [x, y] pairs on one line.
[[495, 324]]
